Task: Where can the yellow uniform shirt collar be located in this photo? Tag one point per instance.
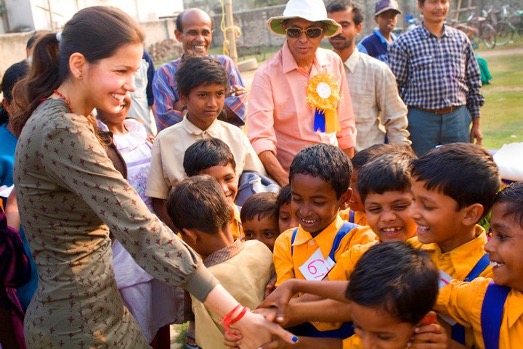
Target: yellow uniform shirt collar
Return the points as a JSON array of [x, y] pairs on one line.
[[326, 234], [465, 256]]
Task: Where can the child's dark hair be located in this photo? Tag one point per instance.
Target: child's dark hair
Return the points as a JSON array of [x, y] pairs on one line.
[[199, 203], [12, 75], [258, 206], [324, 161], [197, 71], [395, 277], [464, 171], [284, 196], [367, 154], [512, 196], [96, 32], [206, 153], [387, 172]]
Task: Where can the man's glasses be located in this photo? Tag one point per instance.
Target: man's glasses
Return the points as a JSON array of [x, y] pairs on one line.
[[311, 33]]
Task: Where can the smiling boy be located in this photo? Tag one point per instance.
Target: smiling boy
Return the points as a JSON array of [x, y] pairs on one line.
[[319, 179], [202, 83], [454, 187], [384, 186], [475, 304]]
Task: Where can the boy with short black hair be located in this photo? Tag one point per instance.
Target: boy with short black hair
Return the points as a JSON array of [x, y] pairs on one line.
[[454, 187], [214, 158], [202, 85], [384, 185], [259, 216], [199, 210], [493, 307], [286, 217], [356, 211], [319, 179]]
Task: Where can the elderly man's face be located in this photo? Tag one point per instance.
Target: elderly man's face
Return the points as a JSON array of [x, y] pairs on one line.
[[303, 48], [196, 36]]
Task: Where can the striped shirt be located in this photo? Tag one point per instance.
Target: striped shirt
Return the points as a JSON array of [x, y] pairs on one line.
[[165, 92], [434, 73]]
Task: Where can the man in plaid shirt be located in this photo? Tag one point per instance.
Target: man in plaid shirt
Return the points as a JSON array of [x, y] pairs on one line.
[[439, 80]]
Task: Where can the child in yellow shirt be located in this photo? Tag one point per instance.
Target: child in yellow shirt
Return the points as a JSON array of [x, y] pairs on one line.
[[356, 211], [319, 179], [286, 217], [493, 308], [384, 187], [392, 290], [454, 187]]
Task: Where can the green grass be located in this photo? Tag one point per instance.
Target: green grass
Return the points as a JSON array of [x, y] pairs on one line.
[[502, 120]]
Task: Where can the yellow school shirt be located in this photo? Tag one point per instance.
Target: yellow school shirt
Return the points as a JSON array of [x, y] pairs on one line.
[[359, 216], [347, 261], [463, 301], [236, 224], [287, 265], [353, 342], [459, 262]]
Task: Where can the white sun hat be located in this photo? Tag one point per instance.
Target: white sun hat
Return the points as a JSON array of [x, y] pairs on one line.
[[310, 10]]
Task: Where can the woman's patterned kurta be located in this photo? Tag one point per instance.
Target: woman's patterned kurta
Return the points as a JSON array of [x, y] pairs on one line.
[[69, 194]]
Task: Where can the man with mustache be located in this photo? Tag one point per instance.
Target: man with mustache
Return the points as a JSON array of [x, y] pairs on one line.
[[283, 115], [386, 17], [439, 80], [194, 28], [381, 115]]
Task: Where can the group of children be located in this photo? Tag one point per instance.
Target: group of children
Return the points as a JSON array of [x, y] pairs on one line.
[[403, 230]]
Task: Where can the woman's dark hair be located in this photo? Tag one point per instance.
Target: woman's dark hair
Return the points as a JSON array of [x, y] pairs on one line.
[[96, 32]]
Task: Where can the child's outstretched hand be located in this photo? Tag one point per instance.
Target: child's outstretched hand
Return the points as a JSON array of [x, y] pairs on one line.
[[279, 298], [429, 334]]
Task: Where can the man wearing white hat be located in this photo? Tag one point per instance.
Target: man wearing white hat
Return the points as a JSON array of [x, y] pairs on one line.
[[300, 96]]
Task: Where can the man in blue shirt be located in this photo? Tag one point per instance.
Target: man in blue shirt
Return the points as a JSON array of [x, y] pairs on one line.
[[439, 80], [377, 43]]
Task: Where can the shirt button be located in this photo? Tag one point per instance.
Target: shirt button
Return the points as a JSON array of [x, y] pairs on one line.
[[311, 242]]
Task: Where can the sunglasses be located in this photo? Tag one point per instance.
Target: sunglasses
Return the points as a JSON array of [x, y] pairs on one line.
[[311, 33]]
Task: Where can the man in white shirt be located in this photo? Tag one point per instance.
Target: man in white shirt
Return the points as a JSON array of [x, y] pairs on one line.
[[381, 115]]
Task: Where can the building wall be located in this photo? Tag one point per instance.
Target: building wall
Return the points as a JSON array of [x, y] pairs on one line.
[[161, 32]]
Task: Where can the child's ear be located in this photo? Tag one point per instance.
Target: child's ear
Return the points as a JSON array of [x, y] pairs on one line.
[[473, 214], [345, 198], [183, 100], [189, 236]]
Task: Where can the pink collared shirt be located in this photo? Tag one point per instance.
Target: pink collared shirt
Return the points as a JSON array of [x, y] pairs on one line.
[[278, 116]]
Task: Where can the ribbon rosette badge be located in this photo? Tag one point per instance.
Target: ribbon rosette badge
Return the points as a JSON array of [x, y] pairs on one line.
[[323, 96]]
